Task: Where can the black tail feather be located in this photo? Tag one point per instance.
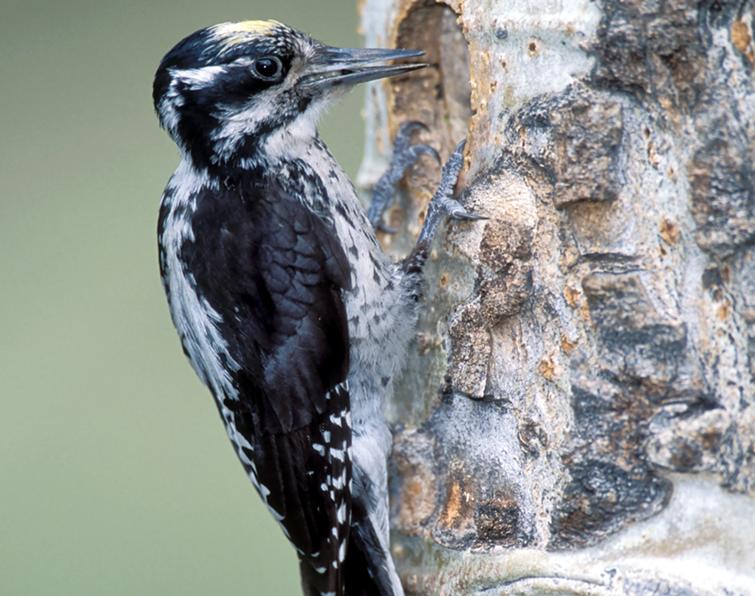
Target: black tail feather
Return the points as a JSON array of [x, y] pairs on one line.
[[365, 570], [312, 582]]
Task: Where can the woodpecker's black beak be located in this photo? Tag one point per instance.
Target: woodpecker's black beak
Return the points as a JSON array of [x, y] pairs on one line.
[[346, 66]]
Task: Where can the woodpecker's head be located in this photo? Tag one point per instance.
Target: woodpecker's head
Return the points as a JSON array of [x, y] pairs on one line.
[[225, 93]]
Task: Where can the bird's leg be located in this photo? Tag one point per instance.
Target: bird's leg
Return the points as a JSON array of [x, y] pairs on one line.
[[404, 155], [441, 206]]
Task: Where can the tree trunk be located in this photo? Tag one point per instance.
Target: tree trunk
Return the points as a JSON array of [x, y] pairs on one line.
[[576, 415]]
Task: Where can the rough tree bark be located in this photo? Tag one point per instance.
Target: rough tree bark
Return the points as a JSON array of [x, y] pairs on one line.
[[577, 413]]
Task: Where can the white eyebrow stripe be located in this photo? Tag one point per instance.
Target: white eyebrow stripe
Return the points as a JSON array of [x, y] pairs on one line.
[[197, 78]]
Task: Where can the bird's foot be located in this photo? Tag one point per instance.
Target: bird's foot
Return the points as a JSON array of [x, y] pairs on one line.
[[404, 155], [442, 205]]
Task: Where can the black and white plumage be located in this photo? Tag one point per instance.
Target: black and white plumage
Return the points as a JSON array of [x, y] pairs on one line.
[[284, 303]]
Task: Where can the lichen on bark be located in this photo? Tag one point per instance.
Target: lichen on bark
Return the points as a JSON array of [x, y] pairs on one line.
[[576, 415]]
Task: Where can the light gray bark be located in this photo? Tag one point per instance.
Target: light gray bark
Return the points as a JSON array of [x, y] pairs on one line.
[[576, 415]]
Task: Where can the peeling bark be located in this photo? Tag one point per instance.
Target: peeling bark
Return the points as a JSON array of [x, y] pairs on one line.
[[576, 415]]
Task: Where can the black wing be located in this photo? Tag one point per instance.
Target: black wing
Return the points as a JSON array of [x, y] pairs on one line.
[[275, 272]]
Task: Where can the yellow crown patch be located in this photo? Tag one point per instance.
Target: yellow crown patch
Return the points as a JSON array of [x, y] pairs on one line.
[[231, 34]]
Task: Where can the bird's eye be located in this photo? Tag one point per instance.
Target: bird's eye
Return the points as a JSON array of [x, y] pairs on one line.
[[268, 68]]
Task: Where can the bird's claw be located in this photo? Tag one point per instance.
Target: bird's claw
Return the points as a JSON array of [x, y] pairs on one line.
[[456, 210], [404, 135], [416, 151]]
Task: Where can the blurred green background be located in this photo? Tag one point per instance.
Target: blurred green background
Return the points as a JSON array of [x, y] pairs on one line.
[[116, 476]]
